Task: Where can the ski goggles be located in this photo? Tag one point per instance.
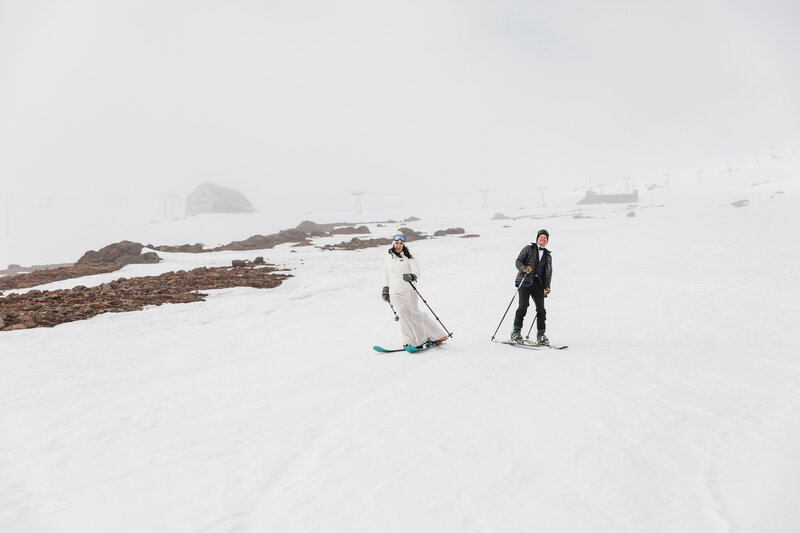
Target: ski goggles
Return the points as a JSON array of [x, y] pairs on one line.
[[399, 237]]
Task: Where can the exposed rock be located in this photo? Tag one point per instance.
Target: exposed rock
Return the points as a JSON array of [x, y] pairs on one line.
[[50, 308], [40, 277], [740, 203], [469, 236], [19, 269], [500, 216], [183, 248], [412, 219], [631, 214], [149, 258], [262, 242], [357, 244], [449, 231], [121, 253], [349, 230], [308, 226]]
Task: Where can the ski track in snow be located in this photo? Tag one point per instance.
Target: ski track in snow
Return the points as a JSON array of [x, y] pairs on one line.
[[674, 409]]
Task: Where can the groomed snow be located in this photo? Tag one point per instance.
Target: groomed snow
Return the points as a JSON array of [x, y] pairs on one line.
[[676, 407]]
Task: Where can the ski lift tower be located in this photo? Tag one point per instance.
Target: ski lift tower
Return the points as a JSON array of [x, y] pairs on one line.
[[357, 195]]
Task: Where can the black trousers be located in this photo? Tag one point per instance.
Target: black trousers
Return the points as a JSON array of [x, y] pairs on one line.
[[535, 291]]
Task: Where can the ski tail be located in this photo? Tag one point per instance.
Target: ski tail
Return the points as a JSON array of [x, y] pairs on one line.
[[387, 350]]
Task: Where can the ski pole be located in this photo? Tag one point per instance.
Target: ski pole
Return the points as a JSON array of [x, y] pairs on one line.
[[396, 318], [509, 306], [531, 328], [429, 308]]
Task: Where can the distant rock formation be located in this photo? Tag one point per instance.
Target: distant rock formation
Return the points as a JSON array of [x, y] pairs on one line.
[[263, 242], [19, 269], [449, 231], [357, 244], [120, 253], [350, 230], [183, 248], [212, 198], [307, 226]]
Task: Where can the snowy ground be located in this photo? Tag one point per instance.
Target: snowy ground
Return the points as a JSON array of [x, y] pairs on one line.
[[675, 409]]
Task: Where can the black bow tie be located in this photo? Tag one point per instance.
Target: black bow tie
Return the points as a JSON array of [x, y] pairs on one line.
[[541, 249]]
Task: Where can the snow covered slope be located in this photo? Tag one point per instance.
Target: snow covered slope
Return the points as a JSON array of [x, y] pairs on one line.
[[676, 407]]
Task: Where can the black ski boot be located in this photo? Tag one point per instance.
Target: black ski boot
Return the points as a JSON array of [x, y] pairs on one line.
[[516, 336], [541, 338]]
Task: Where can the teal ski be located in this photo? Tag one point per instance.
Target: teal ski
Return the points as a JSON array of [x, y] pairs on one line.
[[384, 350], [424, 346]]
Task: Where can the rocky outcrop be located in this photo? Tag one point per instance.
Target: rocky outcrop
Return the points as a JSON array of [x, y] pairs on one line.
[[262, 242], [308, 226], [349, 230], [108, 259], [183, 248], [247, 263], [410, 234], [120, 253], [357, 244], [50, 308], [449, 231]]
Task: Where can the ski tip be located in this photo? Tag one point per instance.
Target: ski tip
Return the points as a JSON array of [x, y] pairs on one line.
[[411, 349], [379, 349]]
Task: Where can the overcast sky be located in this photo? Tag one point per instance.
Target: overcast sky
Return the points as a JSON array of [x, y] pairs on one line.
[[419, 96]]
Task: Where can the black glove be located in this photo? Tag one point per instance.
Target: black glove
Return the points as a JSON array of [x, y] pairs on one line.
[[385, 294], [409, 277]]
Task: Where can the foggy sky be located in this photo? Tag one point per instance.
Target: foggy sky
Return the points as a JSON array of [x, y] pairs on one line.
[[318, 97]]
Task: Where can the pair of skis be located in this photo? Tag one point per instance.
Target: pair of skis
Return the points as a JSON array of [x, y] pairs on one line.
[[532, 345], [524, 344]]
